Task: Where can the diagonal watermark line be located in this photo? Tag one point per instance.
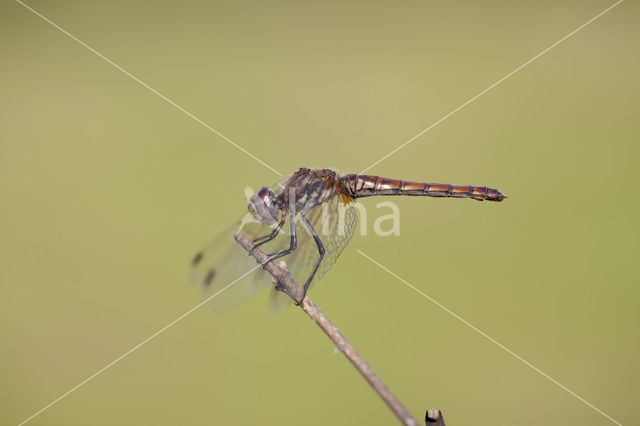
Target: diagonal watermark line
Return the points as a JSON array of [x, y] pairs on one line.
[[491, 87], [137, 346], [501, 346], [128, 74]]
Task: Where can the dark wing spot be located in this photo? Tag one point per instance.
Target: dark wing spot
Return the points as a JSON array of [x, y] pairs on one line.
[[196, 259], [210, 275]]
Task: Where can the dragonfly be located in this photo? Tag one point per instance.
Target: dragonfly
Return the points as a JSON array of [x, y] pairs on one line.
[[307, 220]]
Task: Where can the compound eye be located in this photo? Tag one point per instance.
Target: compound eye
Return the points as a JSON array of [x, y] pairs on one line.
[[265, 191], [263, 206], [267, 195]]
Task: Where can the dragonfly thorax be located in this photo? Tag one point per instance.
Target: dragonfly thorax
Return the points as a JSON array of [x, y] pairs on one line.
[[262, 206]]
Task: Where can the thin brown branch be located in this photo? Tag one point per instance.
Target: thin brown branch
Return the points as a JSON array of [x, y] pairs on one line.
[[285, 283]]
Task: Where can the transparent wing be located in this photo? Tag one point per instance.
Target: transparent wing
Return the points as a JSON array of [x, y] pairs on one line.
[[335, 222], [222, 262]]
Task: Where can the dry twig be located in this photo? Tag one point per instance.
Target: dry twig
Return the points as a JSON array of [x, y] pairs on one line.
[[285, 283]]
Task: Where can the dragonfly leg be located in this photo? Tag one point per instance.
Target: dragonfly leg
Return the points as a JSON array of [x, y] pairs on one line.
[[263, 240], [292, 231], [320, 251]]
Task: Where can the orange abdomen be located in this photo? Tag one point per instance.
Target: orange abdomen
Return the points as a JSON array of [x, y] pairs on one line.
[[368, 185]]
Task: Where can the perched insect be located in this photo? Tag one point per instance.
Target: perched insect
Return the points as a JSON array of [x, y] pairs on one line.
[[306, 221]]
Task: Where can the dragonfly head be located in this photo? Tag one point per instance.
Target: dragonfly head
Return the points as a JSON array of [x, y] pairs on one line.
[[262, 206]]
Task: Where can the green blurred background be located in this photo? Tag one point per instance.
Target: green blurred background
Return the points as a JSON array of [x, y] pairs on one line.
[[107, 191]]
